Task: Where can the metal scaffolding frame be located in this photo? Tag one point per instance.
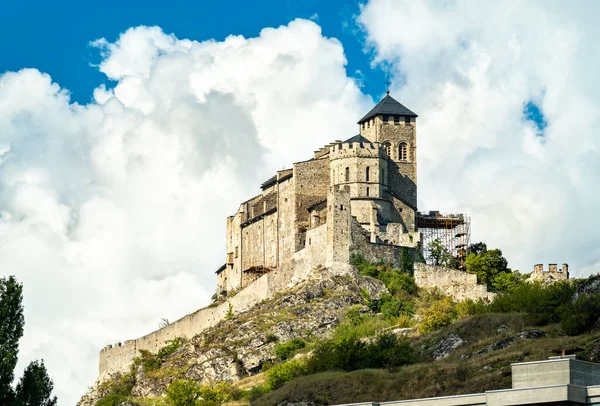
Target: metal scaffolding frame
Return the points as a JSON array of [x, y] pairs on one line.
[[453, 231]]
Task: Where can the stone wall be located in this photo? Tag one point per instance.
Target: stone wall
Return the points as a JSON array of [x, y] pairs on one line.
[[551, 275], [310, 187], [457, 284]]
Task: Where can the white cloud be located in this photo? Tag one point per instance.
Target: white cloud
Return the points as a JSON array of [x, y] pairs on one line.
[[113, 213], [468, 68]]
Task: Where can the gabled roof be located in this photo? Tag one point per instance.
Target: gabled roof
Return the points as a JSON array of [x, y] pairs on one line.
[[357, 138], [388, 106]]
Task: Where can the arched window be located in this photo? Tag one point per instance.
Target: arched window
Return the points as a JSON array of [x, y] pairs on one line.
[[388, 149], [403, 151], [347, 176], [367, 174]]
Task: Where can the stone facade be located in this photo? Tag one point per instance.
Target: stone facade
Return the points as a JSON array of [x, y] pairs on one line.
[[376, 170], [551, 275], [459, 285], [355, 196]]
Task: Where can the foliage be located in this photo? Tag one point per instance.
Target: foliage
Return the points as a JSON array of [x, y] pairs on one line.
[[117, 391], [397, 281], [281, 374], [285, 351], [407, 261], [182, 392], [351, 353], [492, 269], [152, 362], [440, 255], [214, 395], [470, 307], [229, 313], [35, 387], [392, 307], [11, 330], [440, 314], [541, 303], [581, 316], [271, 338]]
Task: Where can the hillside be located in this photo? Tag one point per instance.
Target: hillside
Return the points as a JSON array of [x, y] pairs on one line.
[[350, 338]]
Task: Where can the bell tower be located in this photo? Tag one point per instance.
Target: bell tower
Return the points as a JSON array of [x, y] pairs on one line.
[[395, 127]]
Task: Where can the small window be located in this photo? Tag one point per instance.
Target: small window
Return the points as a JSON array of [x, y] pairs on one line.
[[396, 119], [407, 120], [388, 149], [341, 207], [368, 123], [385, 119], [403, 152], [347, 174], [367, 191], [236, 252], [367, 174]]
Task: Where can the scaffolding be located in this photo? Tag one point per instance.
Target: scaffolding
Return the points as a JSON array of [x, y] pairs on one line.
[[452, 230]]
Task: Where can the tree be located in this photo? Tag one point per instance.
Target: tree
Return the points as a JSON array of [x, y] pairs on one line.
[[492, 268], [35, 387], [11, 330], [440, 255]]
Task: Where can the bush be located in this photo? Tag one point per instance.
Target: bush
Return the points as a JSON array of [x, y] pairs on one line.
[[182, 392], [441, 313], [270, 338], [117, 391], [285, 351], [392, 307], [255, 392], [470, 307], [215, 395], [151, 362], [281, 374], [542, 303], [351, 353], [581, 316]]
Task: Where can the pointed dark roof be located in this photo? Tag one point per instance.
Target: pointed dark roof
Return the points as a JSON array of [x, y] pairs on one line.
[[388, 106], [357, 138]]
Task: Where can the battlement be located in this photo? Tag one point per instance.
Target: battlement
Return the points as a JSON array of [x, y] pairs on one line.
[[356, 149], [553, 273]]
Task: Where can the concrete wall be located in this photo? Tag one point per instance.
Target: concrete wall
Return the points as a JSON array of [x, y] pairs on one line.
[[457, 284]]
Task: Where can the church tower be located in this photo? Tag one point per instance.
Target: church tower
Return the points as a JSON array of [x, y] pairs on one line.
[[394, 126]]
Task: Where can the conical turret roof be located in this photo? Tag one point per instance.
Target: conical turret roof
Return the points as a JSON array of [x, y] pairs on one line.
[[388, 106]]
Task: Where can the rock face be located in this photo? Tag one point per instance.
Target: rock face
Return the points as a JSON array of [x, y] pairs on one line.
[[238, 347], [447, 346], [592, 285]]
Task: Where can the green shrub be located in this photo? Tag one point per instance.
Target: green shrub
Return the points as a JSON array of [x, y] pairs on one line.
[[182, 392], [470, 307], [352, 353], [229, 313], [117, 391], [285, 351], [581, 316], [542, 303], [255, 392], [441, 313], [281, 374], [271, 338], [353, 315], [392, 307], [215, 395], [151, 362]]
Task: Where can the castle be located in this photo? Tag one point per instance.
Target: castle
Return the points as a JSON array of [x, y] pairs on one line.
[[354, 196], [357, 195]]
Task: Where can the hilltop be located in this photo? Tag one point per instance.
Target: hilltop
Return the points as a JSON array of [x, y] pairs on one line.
[[342, 337]]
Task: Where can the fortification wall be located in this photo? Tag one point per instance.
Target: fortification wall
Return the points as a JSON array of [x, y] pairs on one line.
[[286, 214], [457, 284], [311, 185], [551, 275], [259, 243]]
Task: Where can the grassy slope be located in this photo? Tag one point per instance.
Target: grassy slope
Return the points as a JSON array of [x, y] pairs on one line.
[[451, 376]]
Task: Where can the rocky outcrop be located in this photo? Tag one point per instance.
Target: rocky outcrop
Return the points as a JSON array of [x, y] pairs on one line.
[[239, 347], [590, 286], [447, 346]]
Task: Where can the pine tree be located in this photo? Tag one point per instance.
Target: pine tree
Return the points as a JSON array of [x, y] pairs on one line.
[[11, 330], [35, 387]]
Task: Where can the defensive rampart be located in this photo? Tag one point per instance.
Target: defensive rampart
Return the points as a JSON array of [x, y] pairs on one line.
[[457, 284]]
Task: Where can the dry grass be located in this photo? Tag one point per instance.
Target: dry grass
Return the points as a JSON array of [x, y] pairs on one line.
[[451, 376]]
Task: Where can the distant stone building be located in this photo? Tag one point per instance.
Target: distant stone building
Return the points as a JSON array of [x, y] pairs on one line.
[[551, 275], [357, 195]]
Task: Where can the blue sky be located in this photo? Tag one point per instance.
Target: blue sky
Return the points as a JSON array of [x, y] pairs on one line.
[[107, 206], [54, 37]]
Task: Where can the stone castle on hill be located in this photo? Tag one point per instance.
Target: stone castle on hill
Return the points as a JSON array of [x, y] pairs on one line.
[[353, 196]]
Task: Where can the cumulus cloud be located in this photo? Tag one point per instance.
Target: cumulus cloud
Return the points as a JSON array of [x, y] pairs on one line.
[[469, 69], [112, 214]]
